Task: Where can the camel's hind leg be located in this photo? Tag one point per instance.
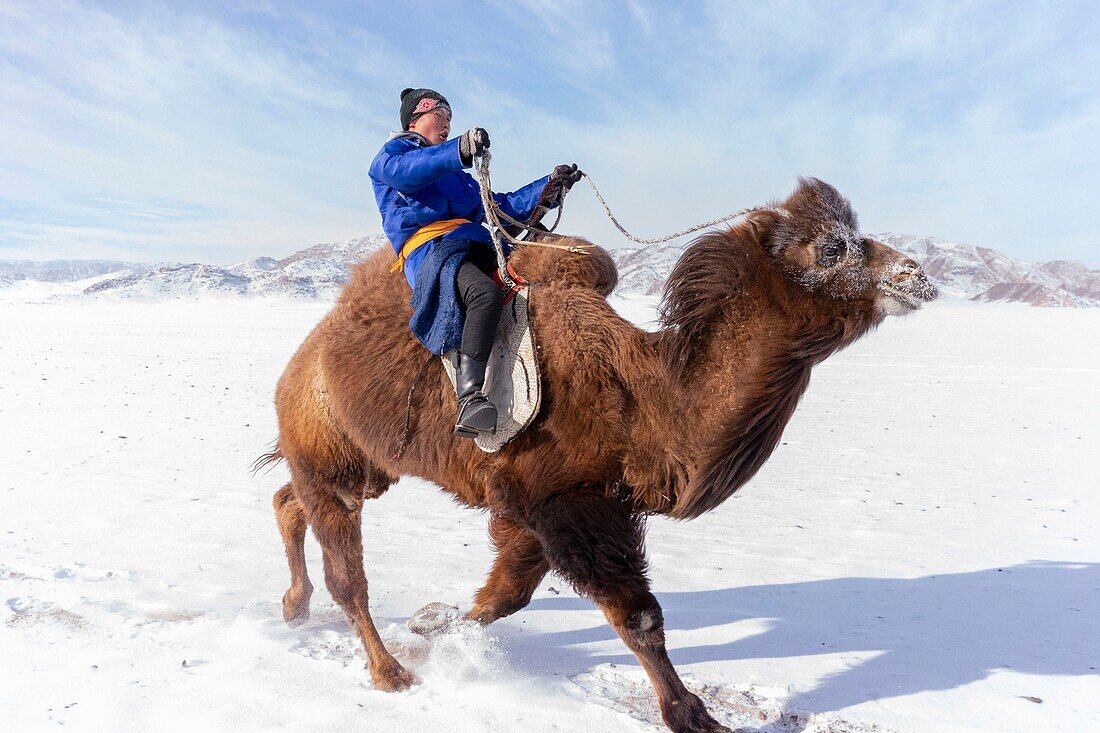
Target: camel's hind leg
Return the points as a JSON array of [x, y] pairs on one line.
[[519, 566], [596, 543], [333, 509], [292, 527]]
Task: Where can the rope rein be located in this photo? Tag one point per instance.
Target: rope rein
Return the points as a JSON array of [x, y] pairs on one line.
[[682, 232], [494, 214]]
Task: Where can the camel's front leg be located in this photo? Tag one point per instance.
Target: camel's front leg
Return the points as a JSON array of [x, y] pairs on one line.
[[596, 543], [519, 567]]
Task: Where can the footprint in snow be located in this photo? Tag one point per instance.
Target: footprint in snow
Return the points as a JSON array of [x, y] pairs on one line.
[[743, 708], [31, 612]]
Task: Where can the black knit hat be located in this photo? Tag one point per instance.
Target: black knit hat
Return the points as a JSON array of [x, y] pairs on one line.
[[411, 99]]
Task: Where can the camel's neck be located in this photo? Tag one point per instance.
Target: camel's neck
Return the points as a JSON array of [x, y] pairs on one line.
[[741, 382]]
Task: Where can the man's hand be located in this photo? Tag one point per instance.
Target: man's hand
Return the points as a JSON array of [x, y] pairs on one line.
[[472, 143], [567, 174], [561, 180]]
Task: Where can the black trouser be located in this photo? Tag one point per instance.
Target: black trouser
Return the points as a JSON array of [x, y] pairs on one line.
[[481, 300]]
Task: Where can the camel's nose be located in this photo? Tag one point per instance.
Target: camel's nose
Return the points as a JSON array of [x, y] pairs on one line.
[[905, 269], [908, 276]]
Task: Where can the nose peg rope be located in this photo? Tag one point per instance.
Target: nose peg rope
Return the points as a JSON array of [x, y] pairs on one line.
[[494, 214]]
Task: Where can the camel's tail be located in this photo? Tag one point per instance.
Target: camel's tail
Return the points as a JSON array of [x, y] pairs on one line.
[[267, 459]]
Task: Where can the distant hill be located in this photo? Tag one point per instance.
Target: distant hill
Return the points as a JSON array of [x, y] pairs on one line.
[[316, 272], [959, 270], [58, 271], [983, 274]]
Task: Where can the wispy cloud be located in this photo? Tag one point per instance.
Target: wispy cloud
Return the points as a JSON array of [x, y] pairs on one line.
[[186, 109], [238, 131], [571, 33]]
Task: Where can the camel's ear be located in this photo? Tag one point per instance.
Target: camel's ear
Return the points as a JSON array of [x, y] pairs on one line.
[[762, 235], [762, 228]]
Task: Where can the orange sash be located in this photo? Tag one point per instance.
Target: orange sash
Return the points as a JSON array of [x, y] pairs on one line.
[[423, 235]]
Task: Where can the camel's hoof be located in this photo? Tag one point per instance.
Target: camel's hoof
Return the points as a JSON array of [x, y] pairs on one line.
[[482, 617], [296, 607], [433, 619], [393, 677], [690, 716]]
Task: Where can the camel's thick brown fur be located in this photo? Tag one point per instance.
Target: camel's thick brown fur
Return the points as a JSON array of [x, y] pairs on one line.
[[632, 423]]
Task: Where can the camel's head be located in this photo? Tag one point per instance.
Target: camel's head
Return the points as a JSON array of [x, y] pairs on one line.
[[818, 245]]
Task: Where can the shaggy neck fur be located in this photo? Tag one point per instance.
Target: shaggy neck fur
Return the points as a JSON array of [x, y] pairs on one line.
[[740, 340]]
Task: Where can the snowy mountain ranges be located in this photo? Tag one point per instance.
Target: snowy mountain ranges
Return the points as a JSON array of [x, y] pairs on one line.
[[318, 272]]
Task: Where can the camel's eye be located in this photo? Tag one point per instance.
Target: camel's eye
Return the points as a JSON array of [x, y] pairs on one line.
[[830, 252]]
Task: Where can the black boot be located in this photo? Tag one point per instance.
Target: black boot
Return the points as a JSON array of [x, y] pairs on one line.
[[476, 414]]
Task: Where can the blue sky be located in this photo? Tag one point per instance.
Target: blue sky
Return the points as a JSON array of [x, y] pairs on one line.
[[197, 132]]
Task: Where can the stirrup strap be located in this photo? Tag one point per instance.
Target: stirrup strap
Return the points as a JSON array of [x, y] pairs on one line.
[[520, 283]]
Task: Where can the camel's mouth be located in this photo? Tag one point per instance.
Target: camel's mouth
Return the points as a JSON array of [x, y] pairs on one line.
[[908, 300], [918, 291], [905, 286]]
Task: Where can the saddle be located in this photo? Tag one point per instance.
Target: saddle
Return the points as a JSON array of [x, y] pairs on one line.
[[512, 380]]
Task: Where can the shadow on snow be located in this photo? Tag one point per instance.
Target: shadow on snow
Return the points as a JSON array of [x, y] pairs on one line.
[[937, 632]]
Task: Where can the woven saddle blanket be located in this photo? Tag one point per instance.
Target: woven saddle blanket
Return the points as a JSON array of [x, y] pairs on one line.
[[512, 381]]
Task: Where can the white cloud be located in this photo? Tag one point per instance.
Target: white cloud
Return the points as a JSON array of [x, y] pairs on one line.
[[224, 133], [570, 32], [184, 109]]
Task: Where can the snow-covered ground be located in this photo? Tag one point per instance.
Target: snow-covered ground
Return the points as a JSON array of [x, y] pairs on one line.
[[920, 554]]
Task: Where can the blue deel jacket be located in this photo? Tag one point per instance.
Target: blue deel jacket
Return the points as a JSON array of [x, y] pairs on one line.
[[416, 184]]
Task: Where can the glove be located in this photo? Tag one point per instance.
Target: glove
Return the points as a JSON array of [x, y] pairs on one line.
[[561, 180], [567, 175], [472, 143]]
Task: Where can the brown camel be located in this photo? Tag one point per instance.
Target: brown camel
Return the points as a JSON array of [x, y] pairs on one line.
[[632, 423]]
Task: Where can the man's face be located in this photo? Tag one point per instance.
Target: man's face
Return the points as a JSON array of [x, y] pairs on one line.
[[435, 125]]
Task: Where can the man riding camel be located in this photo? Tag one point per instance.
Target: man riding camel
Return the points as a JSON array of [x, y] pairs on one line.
[[432, 214]]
